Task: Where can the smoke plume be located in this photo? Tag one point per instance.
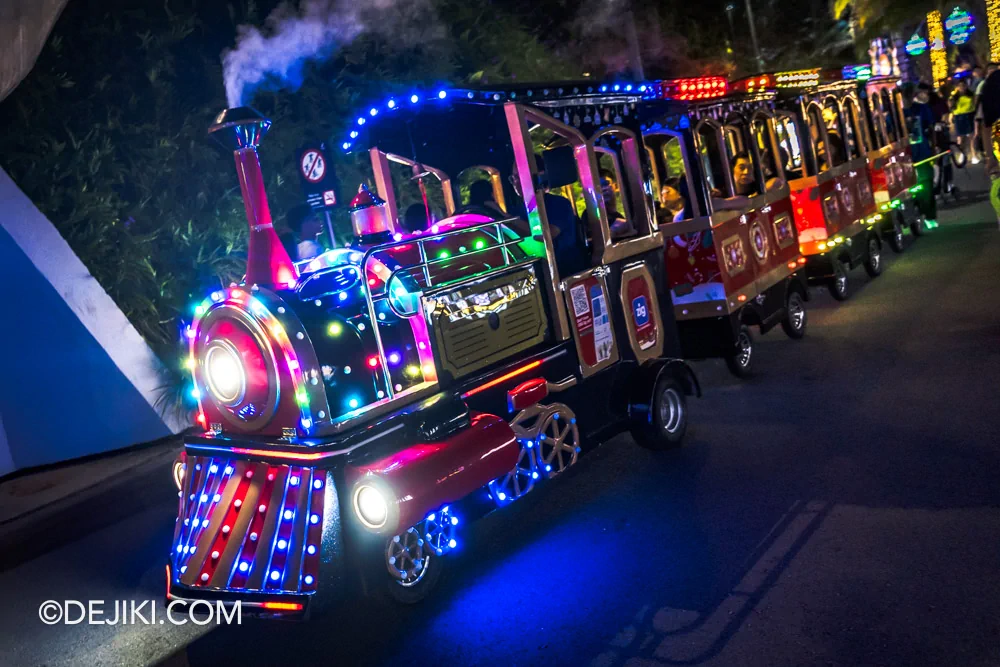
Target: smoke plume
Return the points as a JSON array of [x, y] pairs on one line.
[[277, 53]]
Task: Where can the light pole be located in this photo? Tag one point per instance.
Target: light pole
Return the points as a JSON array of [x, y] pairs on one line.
[[753, 37]]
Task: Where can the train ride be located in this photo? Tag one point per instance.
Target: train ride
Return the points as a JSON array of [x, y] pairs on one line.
[[479, 334], [845, 148]]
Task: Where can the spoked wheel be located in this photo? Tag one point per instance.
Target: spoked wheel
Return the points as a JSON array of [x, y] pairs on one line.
[[794, 323], [667, 419], [740, 362], [896, 237], [558, 442], [838, 284], [873, 261], [413, 568], [518, 481]]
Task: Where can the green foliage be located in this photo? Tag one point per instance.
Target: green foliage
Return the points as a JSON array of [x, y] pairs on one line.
[[107, 135]]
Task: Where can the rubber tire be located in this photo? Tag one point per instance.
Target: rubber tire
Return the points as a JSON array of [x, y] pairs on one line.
[[655, 436], [896, 237], [873, 265], [786, 322], [733, 362], [835, 291], [415, 594], [917, 226]]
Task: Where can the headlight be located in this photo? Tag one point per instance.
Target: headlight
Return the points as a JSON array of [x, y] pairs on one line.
[[224, 372], [371, 506], [236, 369]]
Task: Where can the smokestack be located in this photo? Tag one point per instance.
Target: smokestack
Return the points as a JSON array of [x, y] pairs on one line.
[[240, 130]]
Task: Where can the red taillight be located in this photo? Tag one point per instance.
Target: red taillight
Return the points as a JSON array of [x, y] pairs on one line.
[[282, 606]]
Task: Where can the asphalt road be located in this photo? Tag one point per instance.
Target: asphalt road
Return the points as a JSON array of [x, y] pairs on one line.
[[840, 508]]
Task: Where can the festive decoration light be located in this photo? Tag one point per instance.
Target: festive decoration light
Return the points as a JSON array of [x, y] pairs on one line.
[[939, 57], [993, 26], [859, 72], [960, 26], [916, 45], [797, 78]]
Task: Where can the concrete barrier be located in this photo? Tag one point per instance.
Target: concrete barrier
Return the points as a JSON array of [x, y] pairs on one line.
[[76, 378]]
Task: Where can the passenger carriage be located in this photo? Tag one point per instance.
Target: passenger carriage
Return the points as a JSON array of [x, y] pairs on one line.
[[834, 140], [359, 407], [733, 256]]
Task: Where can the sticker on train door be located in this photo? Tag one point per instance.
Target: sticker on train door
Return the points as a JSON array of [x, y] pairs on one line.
[[642, 318], [603, 339]]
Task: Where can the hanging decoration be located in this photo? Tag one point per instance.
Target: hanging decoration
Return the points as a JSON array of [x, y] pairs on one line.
[[859, 72], [960, 26], [993, 26], [917, 45], [939, 56]]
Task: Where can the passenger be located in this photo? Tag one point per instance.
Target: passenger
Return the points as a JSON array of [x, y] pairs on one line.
[[307, 228], [481, 195], [563, 225], [745, 184], [620, 226], [415, 218], [672, 203]]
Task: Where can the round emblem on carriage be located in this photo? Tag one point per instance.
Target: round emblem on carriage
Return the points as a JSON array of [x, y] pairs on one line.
[[758, 241], [848, 197]]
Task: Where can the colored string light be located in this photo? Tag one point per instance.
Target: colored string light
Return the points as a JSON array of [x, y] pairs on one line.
[[993, 26], [939, 57]]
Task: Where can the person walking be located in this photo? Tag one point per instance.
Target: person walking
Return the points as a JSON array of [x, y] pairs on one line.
[[963, 108], [989, 100], [920, 123]]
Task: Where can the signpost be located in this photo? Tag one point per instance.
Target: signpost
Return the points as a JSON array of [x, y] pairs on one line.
[[319, 183]]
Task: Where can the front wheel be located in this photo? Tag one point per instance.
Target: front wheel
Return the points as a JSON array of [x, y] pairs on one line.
[[873, 261], [838, 284], [794, 323], [414, 568], [668, 417], [740, 361], [896, 237]]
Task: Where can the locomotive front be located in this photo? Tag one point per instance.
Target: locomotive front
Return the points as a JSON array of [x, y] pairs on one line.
[[325, 434]]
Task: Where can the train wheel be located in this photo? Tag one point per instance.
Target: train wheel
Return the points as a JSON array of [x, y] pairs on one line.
[[838, 284], [414, 569], [873, 261], [668, 417], [740, 362], [794, 323], [896, 237], [558, 441]]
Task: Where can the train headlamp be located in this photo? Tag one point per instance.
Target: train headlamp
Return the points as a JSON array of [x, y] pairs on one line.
[[371, 506], [224, 372]]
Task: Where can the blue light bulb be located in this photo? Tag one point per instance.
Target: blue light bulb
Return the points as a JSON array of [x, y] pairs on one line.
[[442, 94], [414, 99], [244, 566]]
